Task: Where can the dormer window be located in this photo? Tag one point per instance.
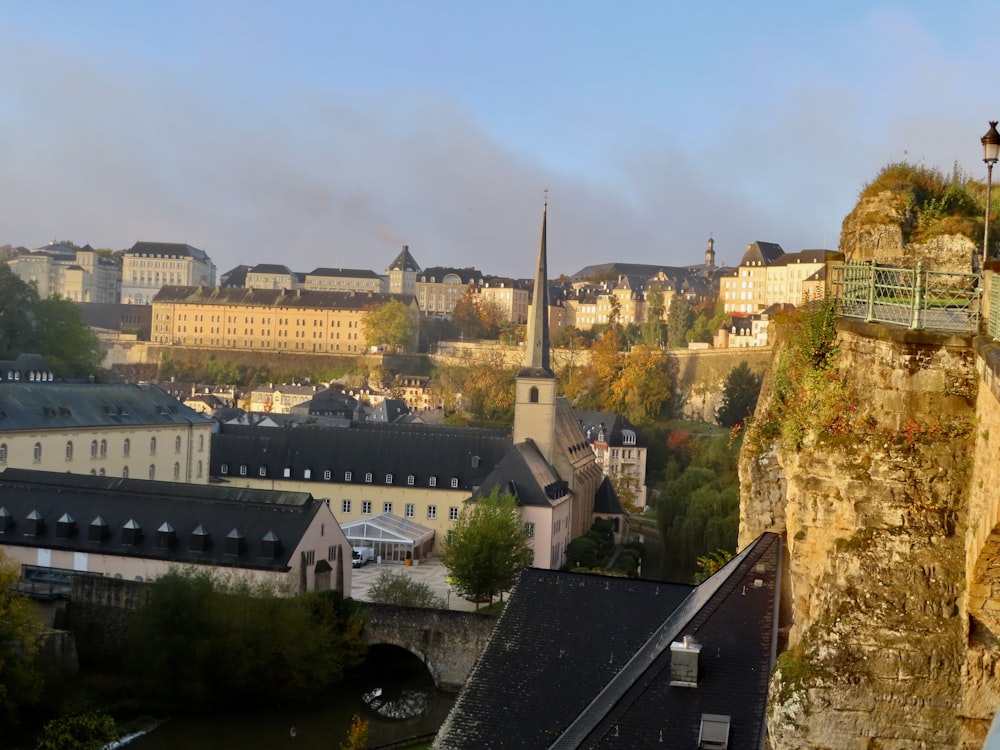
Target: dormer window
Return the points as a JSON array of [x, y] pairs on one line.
[[432, 481], [347, 476], [454, 483], [368, 477], [65, 526], [410, 480], [388, 478]]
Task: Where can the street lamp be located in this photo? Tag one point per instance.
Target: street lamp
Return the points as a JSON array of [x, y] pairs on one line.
[[991, 149]]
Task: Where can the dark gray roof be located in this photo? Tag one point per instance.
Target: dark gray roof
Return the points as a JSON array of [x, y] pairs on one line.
[[185, 507], [26, 367], [465, 453], [404, 261], [56, 406], [584, 661], [353, 273], [117, 317], [389, 411], [806, 256], [437, 273], [271, 268], [300, 298], [236, 276], [524, 473], [611, 424], [166, 249], [606, 499], [761, 254]]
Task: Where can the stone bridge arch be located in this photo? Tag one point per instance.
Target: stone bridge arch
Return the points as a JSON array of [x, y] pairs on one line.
[[447, 642]]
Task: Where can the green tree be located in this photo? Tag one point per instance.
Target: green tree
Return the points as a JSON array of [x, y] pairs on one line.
[[680, 318], [389, 324], [90, 731], [487, 548], [20, 640], [18, 306], [69, 346], [709, 317], [403, 591], [652, 328], [739, 395]]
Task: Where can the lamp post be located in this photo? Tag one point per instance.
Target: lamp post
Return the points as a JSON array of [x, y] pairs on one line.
[[991, 149]]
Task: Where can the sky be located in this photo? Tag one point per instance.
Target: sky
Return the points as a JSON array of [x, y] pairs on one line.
[[332, 133]]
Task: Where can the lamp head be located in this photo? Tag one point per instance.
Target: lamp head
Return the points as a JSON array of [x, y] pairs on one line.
[[991, 144]]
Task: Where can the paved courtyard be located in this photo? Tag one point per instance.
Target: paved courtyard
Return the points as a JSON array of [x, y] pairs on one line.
[[431, 572]]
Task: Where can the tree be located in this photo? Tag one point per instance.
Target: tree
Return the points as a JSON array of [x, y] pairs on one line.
[[357, 735], [90, 731], [680, 318], [389, 324], [487, 548], [652, 329], [20, 640], [709, 317], [476, 318], [403, 591], [642, 385], [71, 348], [18, 303], [739, 395]]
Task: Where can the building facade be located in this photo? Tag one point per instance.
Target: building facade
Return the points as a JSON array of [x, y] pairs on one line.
[[77, 274], [149, 266]]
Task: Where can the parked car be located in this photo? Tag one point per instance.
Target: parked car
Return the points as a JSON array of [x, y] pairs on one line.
[[362, 556]]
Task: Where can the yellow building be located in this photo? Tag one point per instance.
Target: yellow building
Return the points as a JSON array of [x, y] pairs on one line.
[[106, 430], [264, 319]]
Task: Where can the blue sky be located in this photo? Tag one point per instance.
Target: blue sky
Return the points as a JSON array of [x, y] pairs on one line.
[[331, 133]]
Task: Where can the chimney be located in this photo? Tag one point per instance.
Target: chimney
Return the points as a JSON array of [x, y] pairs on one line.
[[684, 662]]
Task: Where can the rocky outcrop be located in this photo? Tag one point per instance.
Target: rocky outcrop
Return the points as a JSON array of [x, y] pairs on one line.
[[876, 523]]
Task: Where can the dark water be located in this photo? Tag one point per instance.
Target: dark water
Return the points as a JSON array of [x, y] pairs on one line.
[[397, 699]]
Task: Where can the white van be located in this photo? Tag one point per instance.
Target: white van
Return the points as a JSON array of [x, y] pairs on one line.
[[362, 556]]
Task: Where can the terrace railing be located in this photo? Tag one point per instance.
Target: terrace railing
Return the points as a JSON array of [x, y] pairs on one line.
[[912, 297]]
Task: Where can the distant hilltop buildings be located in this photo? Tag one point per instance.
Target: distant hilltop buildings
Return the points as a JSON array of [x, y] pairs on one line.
[[269, 306]]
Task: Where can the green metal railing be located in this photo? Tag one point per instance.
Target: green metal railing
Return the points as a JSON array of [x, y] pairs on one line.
[[912, 297]]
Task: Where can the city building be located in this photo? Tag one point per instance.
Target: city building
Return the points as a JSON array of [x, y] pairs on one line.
[[620, 449], [438, 289], [402, 273], [58, 527], [769, 276], [102, 429], [343, 280], [508, 296], [268, 276], [265, 319], [147, 267], [74, 273]]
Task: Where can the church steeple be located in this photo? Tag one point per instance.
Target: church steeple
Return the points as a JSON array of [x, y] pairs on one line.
[[536, 354]]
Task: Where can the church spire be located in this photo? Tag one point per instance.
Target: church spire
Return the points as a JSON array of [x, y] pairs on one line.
[[536, 355]]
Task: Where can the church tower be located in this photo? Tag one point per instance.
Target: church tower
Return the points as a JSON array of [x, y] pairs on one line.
[[710, 253], [535, 400]]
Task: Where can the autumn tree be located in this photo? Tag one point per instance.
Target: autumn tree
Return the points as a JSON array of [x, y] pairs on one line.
[[475, 317], [357, 735], [390, 324], [487, 548], [642, 386], [20, 640]]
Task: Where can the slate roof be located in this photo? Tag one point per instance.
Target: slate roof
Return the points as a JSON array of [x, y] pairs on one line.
[[299, 298], [274, 268], [236, 276], [185, 507], [467, 453], [594, 422], [166, 249], [524, 473], [761, 254], [26, 367], [606, 499], [354, 273], [404, 261], [58, 406], [437, 273], [579, 661], [804, 256]]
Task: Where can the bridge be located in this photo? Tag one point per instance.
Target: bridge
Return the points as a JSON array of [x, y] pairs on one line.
[[446, 641]]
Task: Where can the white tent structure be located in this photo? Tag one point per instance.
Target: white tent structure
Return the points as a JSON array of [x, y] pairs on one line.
[[394, 538]]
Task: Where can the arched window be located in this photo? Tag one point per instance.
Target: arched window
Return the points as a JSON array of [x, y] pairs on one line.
[[104, 448], [177, 444], [100, 472], [126, 447], [93, 449], [38, 452], [124, 472], [152, 471], [533, 395], [69, 450], [177, 471], [3, 453], [201, 442], [152, 446], [199, 468]]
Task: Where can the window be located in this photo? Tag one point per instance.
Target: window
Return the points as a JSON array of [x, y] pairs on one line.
[[93, 449], [262, 471], [387, 507], [104, 448], [409, 510], [177, 471], [307, 473], [201, 442], [126, 447], [327, 474], [69, 450], [345, 506], [454, 482], [152, 446], [533, 395], [453, 513], [224, 469], [286, 473], [177, 444], [347, 476], [388, 478], [3, 453], [366, 507], [410, 479], [432, 481], [243, 470], [152, 471], [529, 530], [199, 469], [38, 452], [368, 477], [124, 472], [432, 512]]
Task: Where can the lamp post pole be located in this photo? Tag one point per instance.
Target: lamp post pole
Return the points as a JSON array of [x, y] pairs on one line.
[[991, 150]]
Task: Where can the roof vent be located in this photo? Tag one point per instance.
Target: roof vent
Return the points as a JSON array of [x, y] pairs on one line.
[[34, 524], [6, 519], [234, 542], [165, 536], [714, 732], [684, 662], [131, 532], [65, 526], [199, 539], [98, 530]]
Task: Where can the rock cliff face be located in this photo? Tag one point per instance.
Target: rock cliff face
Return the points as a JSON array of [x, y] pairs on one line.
[[876, 523]]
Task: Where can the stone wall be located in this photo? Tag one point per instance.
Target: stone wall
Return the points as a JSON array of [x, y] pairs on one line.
[[99, 614], [876, 524]]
